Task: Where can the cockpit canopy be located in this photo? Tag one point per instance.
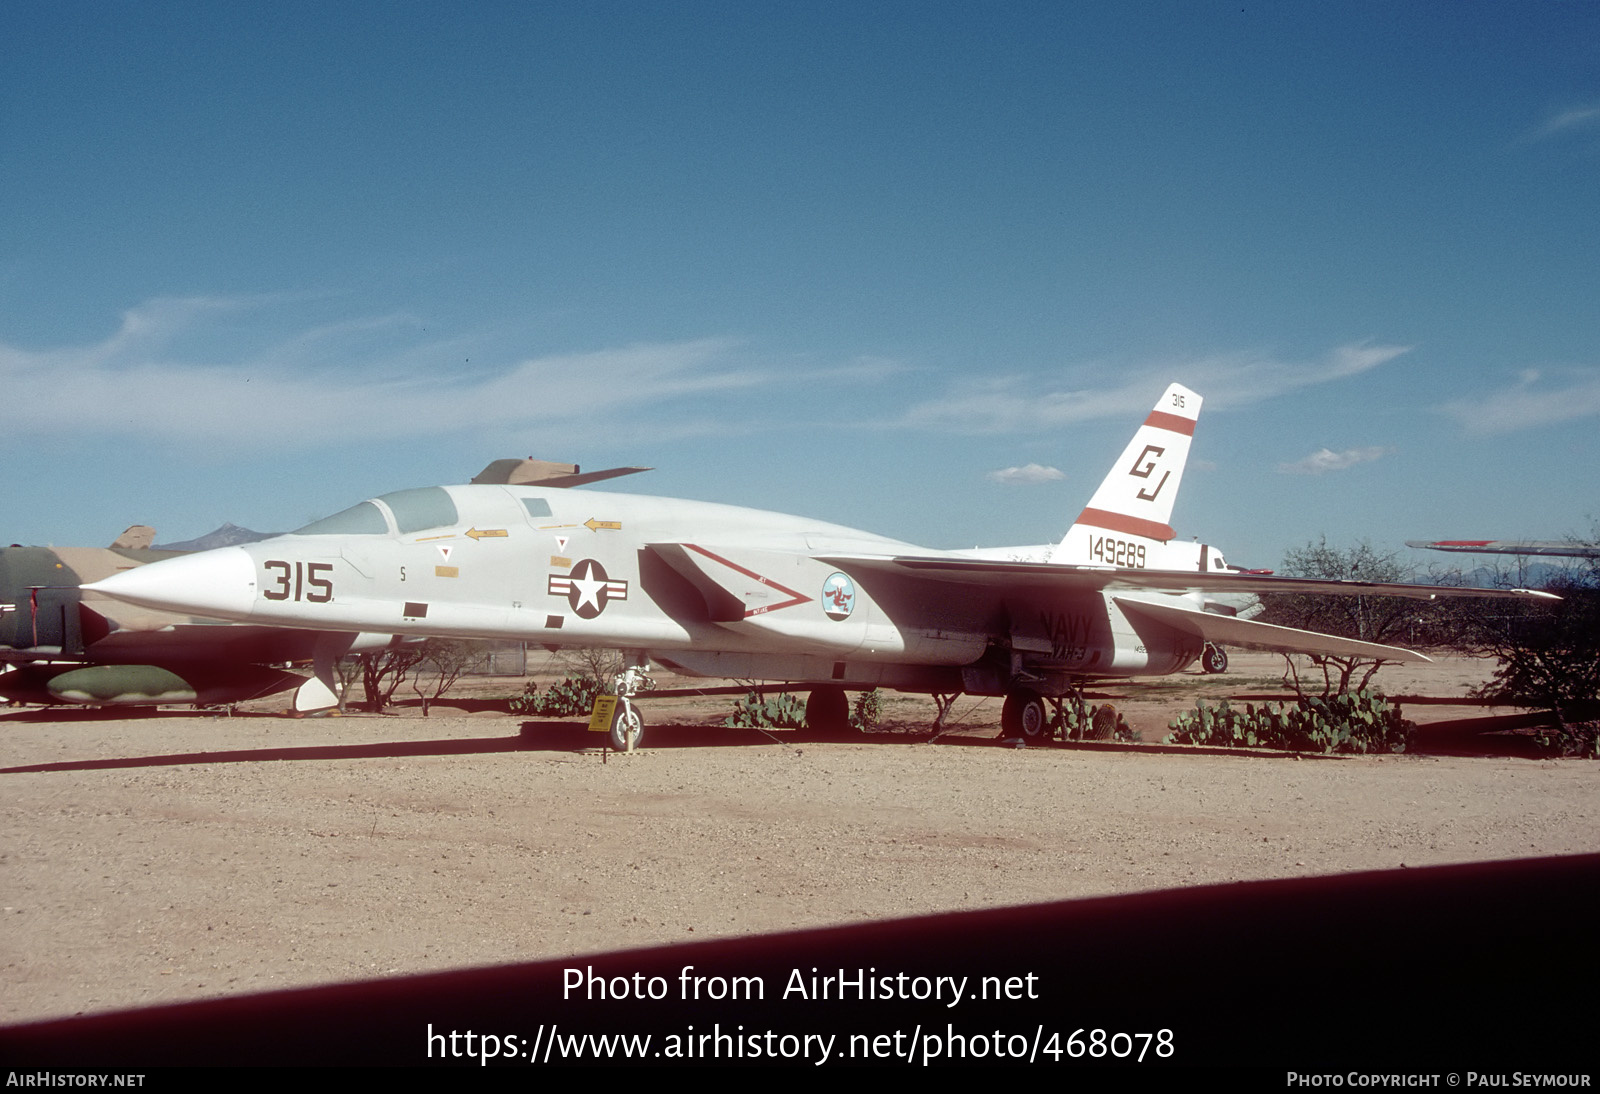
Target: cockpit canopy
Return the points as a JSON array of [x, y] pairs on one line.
[[404, 511]]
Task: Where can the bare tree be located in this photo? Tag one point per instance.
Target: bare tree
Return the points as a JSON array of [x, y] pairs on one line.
[[444, 660], [598, 666], [1387, 620], [348, 671], [383, 671]]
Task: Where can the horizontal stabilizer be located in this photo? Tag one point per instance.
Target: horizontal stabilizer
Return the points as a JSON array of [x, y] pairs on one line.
[[532, 472], [1227, 630]]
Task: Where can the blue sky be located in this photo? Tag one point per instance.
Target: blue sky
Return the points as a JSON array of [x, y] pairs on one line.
[[847, 260]]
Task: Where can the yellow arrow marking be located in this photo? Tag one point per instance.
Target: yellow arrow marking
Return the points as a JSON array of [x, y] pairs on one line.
[[595, 525], [492, 533]]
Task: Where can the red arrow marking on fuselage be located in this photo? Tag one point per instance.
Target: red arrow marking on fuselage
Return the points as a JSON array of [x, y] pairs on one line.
[[799, 598]]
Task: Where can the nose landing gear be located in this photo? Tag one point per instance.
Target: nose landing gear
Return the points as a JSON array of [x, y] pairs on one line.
[[627, 724]]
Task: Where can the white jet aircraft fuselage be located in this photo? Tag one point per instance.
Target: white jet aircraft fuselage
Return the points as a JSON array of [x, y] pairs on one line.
[[719, 590]]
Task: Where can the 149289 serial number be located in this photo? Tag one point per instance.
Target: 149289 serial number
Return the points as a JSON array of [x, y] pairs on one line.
[[1116, 552]]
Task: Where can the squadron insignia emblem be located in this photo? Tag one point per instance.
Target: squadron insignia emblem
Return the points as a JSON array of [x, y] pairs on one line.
[[838, 596]]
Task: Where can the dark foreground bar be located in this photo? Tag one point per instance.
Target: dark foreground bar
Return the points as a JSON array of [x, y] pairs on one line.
[[1483, 970]]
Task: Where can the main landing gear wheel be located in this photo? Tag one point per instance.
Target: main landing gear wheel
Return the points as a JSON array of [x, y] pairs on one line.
[[627, 727], [1213, 660], [1025, 715], [827, 710]]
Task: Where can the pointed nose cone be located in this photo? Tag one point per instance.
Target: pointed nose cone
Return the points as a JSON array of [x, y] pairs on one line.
[[220, 584]]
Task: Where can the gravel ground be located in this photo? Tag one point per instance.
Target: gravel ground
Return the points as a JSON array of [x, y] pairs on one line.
[[185, 856]]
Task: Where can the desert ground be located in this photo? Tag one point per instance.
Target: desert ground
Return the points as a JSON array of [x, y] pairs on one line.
[[182, 855]]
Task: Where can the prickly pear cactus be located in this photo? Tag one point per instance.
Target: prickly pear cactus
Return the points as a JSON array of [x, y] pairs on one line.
[[1360, 721], [780, 711], [564, 699]]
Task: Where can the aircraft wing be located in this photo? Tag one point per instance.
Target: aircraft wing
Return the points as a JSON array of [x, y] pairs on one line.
[[1227, 630], [1020, 576], [1552, 548]]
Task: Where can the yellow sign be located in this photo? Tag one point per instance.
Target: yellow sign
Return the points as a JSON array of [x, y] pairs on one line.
[[492, 533], [447, 571], [595, 525], [560, 563], [600, 717]]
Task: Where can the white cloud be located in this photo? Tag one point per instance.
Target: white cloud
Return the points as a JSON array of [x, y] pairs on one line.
[[1027, 403], [1578, 118], [1027, 475], [1324, 460], [168, 373], [865, 369], [1534, 400]]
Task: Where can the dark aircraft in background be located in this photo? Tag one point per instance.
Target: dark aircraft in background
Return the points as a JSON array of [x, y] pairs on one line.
[[65, 645]]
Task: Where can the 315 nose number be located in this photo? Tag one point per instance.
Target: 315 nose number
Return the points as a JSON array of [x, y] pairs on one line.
[[298, 581]]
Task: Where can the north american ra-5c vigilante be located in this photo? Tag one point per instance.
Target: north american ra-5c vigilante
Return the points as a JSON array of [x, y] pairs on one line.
[[718, 590]]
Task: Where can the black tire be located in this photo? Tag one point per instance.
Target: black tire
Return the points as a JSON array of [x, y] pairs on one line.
[[1025, 715], [827, 710], [626, 722], [1213, 660]]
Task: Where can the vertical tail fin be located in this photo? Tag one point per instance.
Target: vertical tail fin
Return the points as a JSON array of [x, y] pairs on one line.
[[1126, 523]]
